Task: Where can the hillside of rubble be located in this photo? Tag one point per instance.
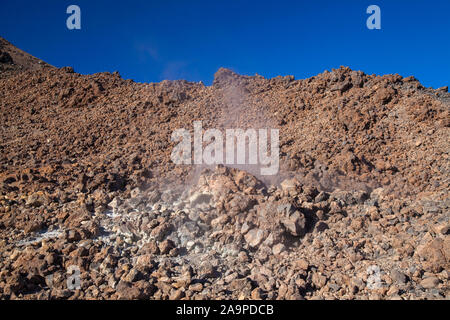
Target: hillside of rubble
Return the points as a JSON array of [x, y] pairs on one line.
[[358, 210]]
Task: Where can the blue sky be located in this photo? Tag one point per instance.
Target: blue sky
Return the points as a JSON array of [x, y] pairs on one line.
[[149, 41]]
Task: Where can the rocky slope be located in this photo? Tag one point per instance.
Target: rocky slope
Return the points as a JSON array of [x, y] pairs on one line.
[[359, 209], [12, 59]]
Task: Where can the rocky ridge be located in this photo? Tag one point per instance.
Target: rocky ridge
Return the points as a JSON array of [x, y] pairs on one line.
[[359, 210]]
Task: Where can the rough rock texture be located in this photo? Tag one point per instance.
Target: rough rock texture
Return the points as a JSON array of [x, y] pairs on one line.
[[13, 60], [359, 209]]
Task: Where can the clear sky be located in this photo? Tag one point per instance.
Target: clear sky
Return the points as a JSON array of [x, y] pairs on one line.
[[149, 41]]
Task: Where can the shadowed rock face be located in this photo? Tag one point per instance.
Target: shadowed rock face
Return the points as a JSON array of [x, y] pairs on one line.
[[5, 58], [359, 208]]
